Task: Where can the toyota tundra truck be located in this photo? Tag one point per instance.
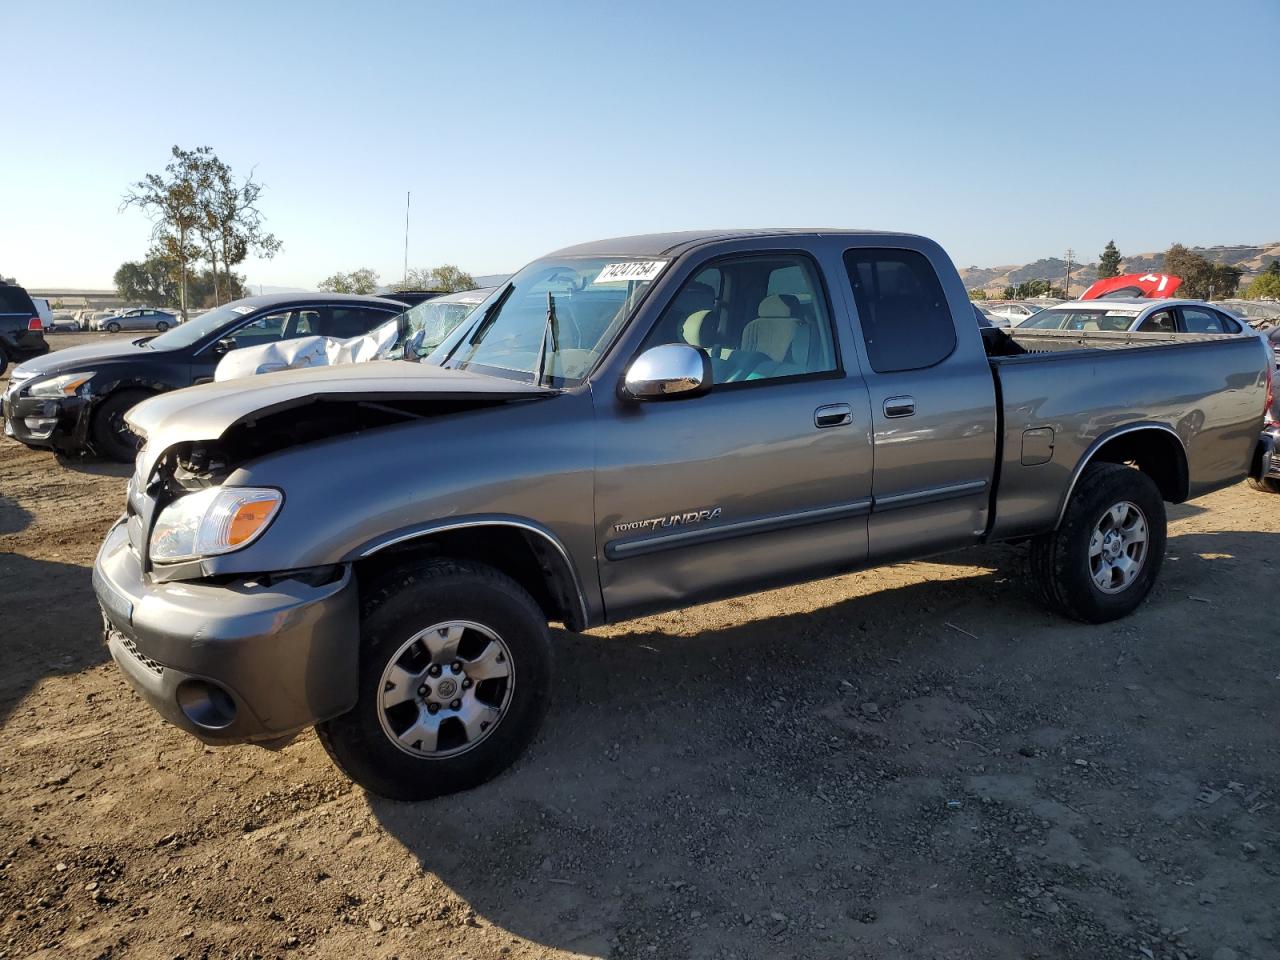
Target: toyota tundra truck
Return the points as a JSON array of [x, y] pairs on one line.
[[630, 426]]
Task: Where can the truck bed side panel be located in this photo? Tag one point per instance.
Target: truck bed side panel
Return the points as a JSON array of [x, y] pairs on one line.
[[1209, 392]]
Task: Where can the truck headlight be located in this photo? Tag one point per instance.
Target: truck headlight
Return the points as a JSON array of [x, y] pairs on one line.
[[213, 521], [63, 386]]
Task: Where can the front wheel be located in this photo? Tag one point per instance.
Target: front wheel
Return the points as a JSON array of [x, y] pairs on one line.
[[1103, 559], [455, 676], [111, 436], [1263, 484], [113, 328]]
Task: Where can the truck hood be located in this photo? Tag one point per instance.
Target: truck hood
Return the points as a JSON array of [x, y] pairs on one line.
[[208, 411]]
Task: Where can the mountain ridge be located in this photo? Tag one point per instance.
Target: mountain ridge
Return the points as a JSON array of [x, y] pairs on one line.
[[1252, 259]]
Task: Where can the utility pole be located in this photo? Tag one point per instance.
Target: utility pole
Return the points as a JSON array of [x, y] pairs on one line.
[[406, 236], [1067, 287]]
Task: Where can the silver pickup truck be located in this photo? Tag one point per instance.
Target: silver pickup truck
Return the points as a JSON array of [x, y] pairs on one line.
[[629, 426]]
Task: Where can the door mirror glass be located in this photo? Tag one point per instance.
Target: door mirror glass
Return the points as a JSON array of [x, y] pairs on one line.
[[667, 371], [225, 345]]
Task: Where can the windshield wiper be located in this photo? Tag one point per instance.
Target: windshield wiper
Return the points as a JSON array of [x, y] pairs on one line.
[[550, 330], [490, 315]]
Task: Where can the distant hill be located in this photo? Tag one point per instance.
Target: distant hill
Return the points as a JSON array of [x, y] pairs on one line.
[[1250, 259]]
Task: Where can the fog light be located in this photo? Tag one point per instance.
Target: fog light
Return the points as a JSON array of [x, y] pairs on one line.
[[40, 427], [206, 704]]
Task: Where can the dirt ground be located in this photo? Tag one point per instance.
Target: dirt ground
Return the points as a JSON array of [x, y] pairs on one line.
[[912, 762]]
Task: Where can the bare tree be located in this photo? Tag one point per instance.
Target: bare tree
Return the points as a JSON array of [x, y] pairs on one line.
[[199, 209], [172, 201]]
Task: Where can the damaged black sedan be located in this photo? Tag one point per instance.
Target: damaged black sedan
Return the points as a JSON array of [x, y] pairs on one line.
[[74, 400]]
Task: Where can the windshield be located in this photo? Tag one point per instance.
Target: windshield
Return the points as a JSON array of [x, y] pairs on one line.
[[554, 319], [1101, 319], [423, 328], [193, 331]]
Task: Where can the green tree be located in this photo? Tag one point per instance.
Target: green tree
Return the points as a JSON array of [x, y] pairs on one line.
[[977, 293], [1202, 279], [445, 277], [151, 281], [1273, 269], [1265, 286], [1109, 261], [1009, 293], [363, 281]]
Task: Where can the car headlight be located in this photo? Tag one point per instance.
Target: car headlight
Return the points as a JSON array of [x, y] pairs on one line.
[[63, 386], [213, 521]]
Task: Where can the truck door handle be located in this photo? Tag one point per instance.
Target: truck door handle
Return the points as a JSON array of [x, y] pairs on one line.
[[900, 406], [833, 415]]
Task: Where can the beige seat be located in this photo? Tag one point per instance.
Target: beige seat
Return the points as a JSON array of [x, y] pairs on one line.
[[702, 329], [783, 338]]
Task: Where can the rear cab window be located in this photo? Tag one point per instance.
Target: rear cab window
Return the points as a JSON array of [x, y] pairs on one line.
[[906, 323]]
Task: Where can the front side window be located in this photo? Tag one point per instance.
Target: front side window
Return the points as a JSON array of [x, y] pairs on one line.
[[554, 319], [1161, 321], [757, 317], [905, 321]]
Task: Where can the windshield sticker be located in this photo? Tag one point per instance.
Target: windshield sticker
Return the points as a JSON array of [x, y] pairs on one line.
[[636, 270], [1120, 313], [242, 310]]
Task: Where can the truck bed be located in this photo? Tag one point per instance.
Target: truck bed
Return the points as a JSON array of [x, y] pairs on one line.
[[1063, 393]]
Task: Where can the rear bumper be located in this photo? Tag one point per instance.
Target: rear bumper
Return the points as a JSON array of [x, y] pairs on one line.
[[230, 663], [1266, 458]]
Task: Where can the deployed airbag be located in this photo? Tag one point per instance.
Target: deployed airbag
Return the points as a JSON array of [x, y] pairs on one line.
[[302, 352]]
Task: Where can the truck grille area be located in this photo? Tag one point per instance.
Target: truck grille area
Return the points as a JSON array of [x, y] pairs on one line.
[[132, 649]]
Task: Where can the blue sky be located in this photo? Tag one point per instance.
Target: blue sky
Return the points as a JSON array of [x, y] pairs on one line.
[[1005, 130]]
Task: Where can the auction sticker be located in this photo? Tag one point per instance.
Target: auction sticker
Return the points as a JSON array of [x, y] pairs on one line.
[[634, 270]]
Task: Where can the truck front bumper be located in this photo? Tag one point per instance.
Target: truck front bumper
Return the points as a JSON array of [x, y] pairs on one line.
[[252, 660]]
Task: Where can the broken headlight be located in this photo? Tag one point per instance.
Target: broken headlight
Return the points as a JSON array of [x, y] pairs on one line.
[[213, 521]]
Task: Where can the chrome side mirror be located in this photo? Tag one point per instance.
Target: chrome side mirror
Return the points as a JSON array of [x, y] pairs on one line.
[[668, 371]]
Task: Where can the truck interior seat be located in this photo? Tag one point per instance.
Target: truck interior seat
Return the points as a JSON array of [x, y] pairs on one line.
[[782, 338]]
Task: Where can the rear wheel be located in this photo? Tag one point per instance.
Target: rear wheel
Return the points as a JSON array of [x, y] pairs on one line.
[[113, 327], [4, 360], [1103, 559], [162, 325], [1264, 484], [455, 675], [111, 436]]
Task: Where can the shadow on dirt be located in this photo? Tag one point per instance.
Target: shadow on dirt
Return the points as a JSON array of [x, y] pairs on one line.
[[660, 754], [13, 518], [736, 775], [94, 467], [49, 622]]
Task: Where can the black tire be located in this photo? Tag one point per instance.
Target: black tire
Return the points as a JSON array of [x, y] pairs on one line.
[[1060, 561], [110, 436], [113, 328], [393, 609], [1264, 485], [4, 360], [162, 325]]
